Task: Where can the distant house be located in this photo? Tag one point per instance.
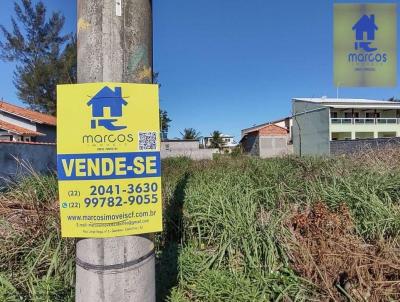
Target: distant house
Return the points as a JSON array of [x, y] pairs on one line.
[[324, 126], [106, 98], [268, 139], [228, 142], [365, 25], [20, 124]]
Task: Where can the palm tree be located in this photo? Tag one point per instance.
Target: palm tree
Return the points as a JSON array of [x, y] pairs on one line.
[[216, 140], [164, 123], [190, 133]]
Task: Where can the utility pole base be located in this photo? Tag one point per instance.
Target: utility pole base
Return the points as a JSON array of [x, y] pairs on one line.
[[115, 44], [112, 270]]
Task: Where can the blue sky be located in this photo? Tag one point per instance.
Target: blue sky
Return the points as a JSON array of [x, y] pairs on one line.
[[229, 64]]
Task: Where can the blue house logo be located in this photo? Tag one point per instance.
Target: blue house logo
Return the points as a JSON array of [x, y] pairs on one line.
[[107, 98], [365, 28]]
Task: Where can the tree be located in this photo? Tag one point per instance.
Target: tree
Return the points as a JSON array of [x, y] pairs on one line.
[[393, 99], [164, 119], [216, 140], [164, 123], [43, 55], [190, 133]]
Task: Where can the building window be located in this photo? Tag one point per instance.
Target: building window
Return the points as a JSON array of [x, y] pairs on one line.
[[341, 136], [334, 115], [364, 135], [386, 134], [373, 115], [6, 137], [351, 114]]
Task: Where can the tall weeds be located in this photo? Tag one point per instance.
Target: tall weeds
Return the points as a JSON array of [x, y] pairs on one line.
[[35, 263], [235, 229], [238, 234]]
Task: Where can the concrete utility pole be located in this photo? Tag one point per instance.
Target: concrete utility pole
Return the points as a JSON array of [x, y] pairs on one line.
[[115, 45]]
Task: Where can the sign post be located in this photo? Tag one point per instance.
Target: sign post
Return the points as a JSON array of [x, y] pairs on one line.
[[114, 46]]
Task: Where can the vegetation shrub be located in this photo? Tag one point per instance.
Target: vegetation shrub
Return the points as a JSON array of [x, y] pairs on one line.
[[325, 249], [235, 229], [35, 263]]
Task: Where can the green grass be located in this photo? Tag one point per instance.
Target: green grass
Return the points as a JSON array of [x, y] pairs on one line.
[[234, 233], [226, 233], [35, 263]]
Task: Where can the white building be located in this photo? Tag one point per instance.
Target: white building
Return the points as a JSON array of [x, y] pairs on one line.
[[228, 141], [321, 124], [21, 124]]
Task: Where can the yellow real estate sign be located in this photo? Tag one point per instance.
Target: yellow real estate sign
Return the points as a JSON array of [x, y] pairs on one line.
[[108, 159], [365, 44]]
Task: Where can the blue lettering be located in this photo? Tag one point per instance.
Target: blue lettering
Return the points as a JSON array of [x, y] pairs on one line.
[[108, 166]]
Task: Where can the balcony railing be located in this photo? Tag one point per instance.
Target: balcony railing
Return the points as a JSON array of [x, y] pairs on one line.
[[369, 121], [387, 121]]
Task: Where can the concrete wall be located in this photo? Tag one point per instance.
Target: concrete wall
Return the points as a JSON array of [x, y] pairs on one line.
[[271, 146], [50, 131], [13, 155], [352, 146], [174, 145], [267, 146], [188, 148], [198, 154], [251, 145], [310, 129]]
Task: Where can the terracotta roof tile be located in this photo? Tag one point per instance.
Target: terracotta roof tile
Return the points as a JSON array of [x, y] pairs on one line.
[[27, 143], [28, 114], [260, 126], [266, 126], [18, 130], [273, 130]]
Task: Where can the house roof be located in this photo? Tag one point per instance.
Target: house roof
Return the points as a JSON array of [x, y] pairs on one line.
[[31, 115], [351, 103], [18, 130], [260, 126], [366, 106], [266, 126], [325, 100]]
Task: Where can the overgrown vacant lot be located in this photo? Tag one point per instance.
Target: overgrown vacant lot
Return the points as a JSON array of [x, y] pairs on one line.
[[236, 229]]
